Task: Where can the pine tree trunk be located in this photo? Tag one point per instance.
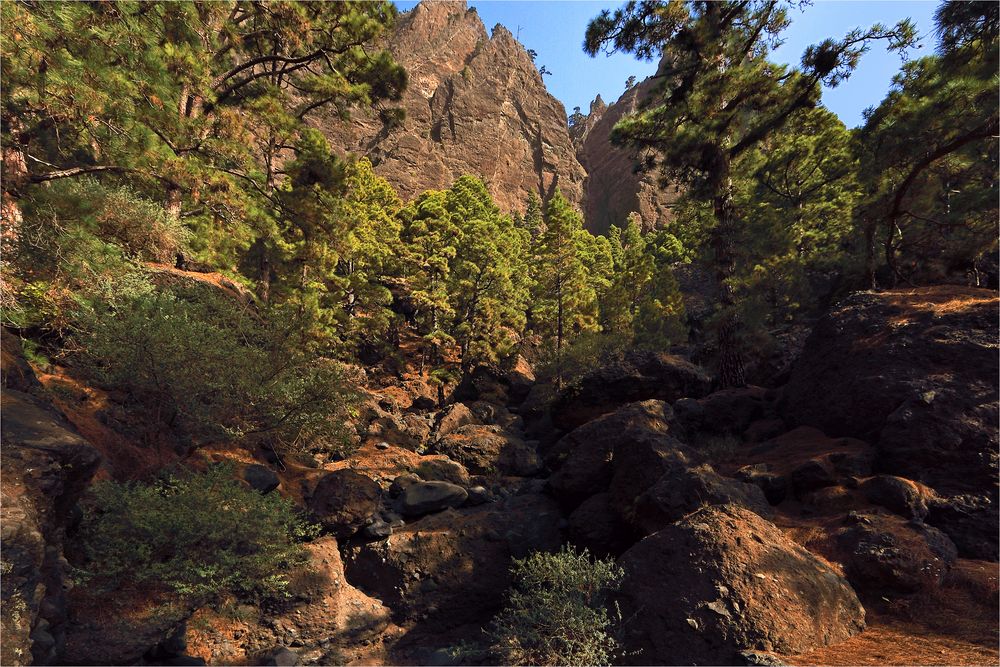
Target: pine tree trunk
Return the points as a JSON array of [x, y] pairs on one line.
[[732, 371], [172, 202], [264, 276], [559, 332], [870, 267]]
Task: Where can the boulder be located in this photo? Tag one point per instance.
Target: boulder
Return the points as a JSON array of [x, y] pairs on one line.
[[902, 496], [343, 500], [723, 581], [638, 464], [582, 457], [427, 497], [407, 431], [520, 378], [886, 554], [970, 520], [454, 417], [443, 470], [323, 615], [283, 657], [595, 525], [729, 411], [489, 450], [915, 372], [400, 483], [811, 475], [774, 486], [491, 413], [482, 383], [534, 410], [261, 478], [683, 488], [453, 567], [638, 377]]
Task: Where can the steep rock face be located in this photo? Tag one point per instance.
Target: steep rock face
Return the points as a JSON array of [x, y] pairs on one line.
[[579, 131], [46, 466], [475, 104], [613, 189]]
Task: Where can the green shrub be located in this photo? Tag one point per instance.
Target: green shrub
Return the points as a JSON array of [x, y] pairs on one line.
[[587, 351], [556, 612], [209, 367], [75, 235], [117, 215], [200, 535]]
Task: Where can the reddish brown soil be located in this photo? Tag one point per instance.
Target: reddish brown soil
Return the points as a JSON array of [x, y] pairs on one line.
[[894, 643], [123, 458], [939, 300]]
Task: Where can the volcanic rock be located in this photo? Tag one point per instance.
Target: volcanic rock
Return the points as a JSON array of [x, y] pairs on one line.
[[723, 581], [475, 104]]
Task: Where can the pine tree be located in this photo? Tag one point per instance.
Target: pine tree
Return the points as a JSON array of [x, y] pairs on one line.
[[489, 279], [532, 220], [430, 238], [929, 153], [564, 303], [197, 102], [719, 98]]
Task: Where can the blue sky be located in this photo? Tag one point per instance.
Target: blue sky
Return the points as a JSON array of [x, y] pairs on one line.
[[555, 30]]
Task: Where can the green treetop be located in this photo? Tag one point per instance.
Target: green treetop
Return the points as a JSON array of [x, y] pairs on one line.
[[564, 303], [718, 97]]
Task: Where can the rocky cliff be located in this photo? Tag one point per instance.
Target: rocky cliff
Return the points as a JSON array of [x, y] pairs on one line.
[[476, 104], [613, 188]]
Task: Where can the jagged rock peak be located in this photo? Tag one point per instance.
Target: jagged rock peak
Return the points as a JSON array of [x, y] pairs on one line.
[[476, 104], [613, 188], [581, 129]]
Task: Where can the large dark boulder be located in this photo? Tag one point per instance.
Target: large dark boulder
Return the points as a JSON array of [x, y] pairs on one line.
[[46, 467], [261, 478], [729, 411], [914, 372], [723, 581], [482, 383], [970, 520], [595, 526], [582, 457], [683, 488], [343, 500], [489, 450], [453, 567], [885, 554], [637, 377]]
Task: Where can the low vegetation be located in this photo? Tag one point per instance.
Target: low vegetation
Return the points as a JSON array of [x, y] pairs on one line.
[[557, 611], [201, 535]]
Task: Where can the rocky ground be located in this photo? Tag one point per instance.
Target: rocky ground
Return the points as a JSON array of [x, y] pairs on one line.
[[847, 517]]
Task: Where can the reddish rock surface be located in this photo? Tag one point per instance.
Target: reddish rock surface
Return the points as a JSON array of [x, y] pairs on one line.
[[476, 104], [613, 189], [453, 566], [915, 373], [722, 581]]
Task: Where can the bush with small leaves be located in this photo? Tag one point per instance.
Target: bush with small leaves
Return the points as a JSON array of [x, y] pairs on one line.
[[556, 612], [208, 367], [201, 535]]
